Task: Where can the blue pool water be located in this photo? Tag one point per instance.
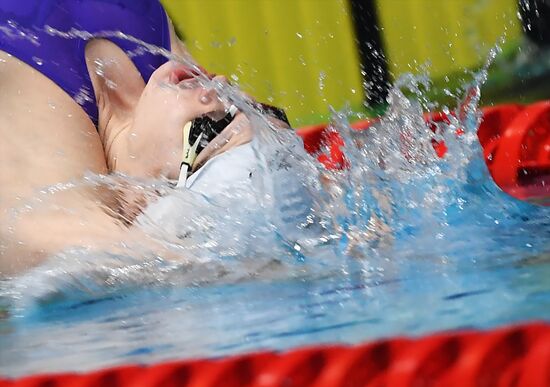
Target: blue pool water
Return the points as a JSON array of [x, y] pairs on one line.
[[152, 325]]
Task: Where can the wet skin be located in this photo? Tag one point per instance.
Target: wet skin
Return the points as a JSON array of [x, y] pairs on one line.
[[47, 140]]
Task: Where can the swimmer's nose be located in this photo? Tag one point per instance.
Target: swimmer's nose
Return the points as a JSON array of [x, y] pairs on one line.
[[210, 98], [207, 96]]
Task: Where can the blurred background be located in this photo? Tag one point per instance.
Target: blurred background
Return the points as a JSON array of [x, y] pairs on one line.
[[307, 55]]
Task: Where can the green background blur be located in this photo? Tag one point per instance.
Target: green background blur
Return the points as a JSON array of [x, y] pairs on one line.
[[302, 55]]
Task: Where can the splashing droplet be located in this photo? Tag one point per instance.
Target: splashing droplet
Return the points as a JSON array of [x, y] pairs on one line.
[[322, 78]]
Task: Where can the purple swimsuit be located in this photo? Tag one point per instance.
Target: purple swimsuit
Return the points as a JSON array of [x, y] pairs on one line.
[[26, 32]]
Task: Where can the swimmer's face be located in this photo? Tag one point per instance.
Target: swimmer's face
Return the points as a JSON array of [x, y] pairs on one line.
[[141, 125], [171, 98]]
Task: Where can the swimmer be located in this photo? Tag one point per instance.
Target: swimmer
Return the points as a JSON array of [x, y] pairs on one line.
[[73, 106]]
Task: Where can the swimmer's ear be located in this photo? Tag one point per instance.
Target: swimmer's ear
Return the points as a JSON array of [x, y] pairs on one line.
[[117, 83]]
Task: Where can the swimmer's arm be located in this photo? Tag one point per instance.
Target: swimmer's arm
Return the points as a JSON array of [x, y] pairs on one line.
[[67, 219], [75, 219]]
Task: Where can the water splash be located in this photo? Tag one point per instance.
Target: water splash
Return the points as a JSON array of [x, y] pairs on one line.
[[397, 201]]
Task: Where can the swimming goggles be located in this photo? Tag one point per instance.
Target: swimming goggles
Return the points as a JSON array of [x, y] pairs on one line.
[[199, 132]]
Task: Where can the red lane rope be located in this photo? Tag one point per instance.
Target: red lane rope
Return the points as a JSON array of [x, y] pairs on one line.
[[515, 141], [512, 356]]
